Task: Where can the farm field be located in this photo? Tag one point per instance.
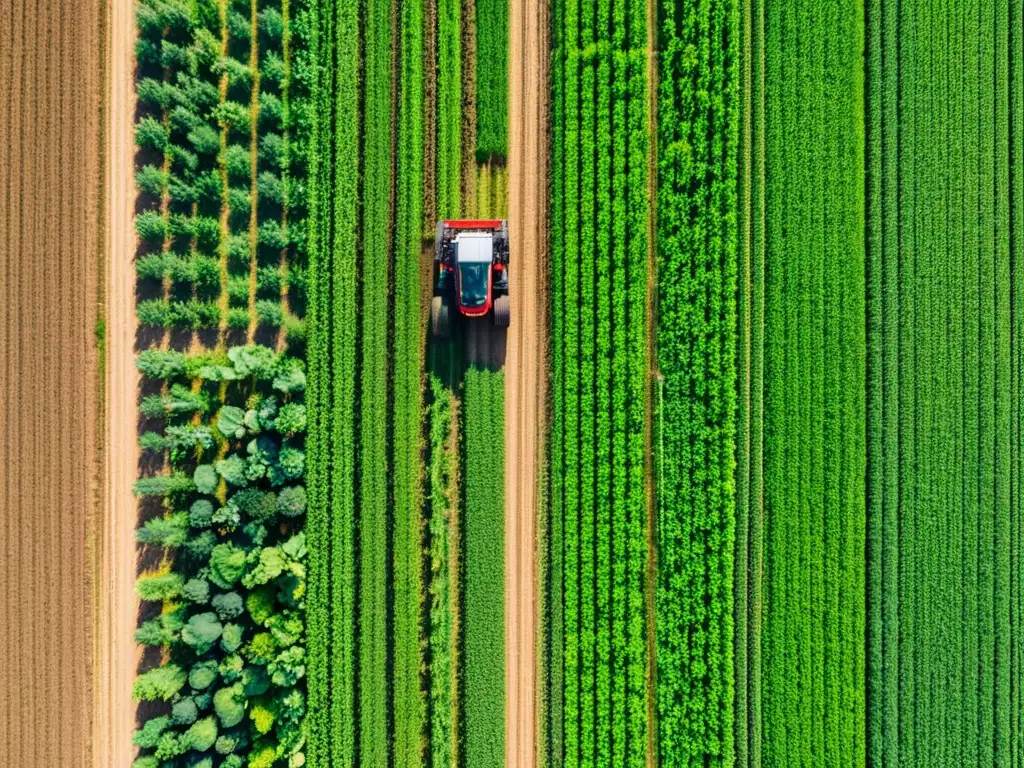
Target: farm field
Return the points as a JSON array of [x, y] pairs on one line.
[[738, 485], [52, 242]]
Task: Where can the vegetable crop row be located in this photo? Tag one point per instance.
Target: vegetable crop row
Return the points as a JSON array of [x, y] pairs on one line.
[[696, 352], [491, 80], [483, 569], [598, 698]]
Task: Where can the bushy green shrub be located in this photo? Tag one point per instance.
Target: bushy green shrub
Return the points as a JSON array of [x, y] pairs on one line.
[[269, 313], [291, 501], [270, 187], [238, 162], [239, 201], [271, 24], [272, 235], [151, 180], [227, 563], [184, 712], [202, 675], [238, 318], [183, 121], [160, 364], [239, 252], [239, 27], [201, 631], [170, 531], [209, 187], [239, 74], [200, 513], [229, 704], [270, 112], [161, 683], [232, 116], [271, 68], [272, 150], [202, 734], [163, 485], [151, 226], [151, 731], [150, 134], [196, 591], [204, 139], [228, 605]]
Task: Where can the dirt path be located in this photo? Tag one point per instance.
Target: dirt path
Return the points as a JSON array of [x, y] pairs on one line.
[[51, 80], [524, 370], [115, 648]]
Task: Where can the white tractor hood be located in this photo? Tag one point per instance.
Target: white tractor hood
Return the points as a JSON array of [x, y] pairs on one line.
[[473, 247]]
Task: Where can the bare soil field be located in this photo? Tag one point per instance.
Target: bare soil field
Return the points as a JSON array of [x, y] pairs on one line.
[[51, 254], [525, 362]]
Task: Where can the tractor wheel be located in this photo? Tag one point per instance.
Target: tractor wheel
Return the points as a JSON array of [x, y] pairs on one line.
[[502, 311], [440, 321]]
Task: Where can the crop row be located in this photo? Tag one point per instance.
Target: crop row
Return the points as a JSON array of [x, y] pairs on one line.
[[221, 135], [491, 79], [813, 347], [227, 604], [944, 523], [696, 353], [365, 363], [598, 701], [221, 166], [483, 569]]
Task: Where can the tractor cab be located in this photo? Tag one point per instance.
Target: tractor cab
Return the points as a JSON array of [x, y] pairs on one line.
[[471, 260]]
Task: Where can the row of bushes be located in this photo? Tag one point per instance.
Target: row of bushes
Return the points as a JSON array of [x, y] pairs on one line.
[[230, 621]]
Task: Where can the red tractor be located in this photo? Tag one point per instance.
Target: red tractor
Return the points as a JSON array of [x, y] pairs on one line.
[[471, 259]]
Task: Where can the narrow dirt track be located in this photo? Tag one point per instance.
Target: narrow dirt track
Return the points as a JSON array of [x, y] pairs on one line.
[[524, 370], [115, 647], [51, 248]]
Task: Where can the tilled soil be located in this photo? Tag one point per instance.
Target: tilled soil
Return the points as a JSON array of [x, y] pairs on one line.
[[51, 247], [524, 357]]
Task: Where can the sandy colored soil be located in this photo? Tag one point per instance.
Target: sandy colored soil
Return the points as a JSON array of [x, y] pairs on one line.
[[524, 370], [115, 648], [51, 246]]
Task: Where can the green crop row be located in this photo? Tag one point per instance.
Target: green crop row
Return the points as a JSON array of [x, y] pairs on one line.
[[442, 598], [813, 347], [483, 569], [598, 699], [696, 352], [448, 113], [491, 79], [365, 371], [222, 164], [333, 57], [944, 525], [230, 614]]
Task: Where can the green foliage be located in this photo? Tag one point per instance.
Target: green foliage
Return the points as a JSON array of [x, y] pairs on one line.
[[151, 731], [291, 419], [227, 563], [238, 318], [169, 531], [200, 513], [228, 605], [151, 226], [164, 586], [196, 591], [202, 734], [202, 675], [180, 401], [237, 162], [272, 235], [491, 79], [163, 485], [160, 683], [150, 180], [160, 364], [229, 704], [150, 134], [184, 712], [205, 478], [271, 23], [291, 501], [201, 631]]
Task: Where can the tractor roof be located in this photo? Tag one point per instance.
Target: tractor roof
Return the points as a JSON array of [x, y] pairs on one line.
[[474, 247]]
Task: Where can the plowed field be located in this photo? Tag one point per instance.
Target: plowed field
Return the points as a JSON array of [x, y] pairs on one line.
[[51, 244]]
